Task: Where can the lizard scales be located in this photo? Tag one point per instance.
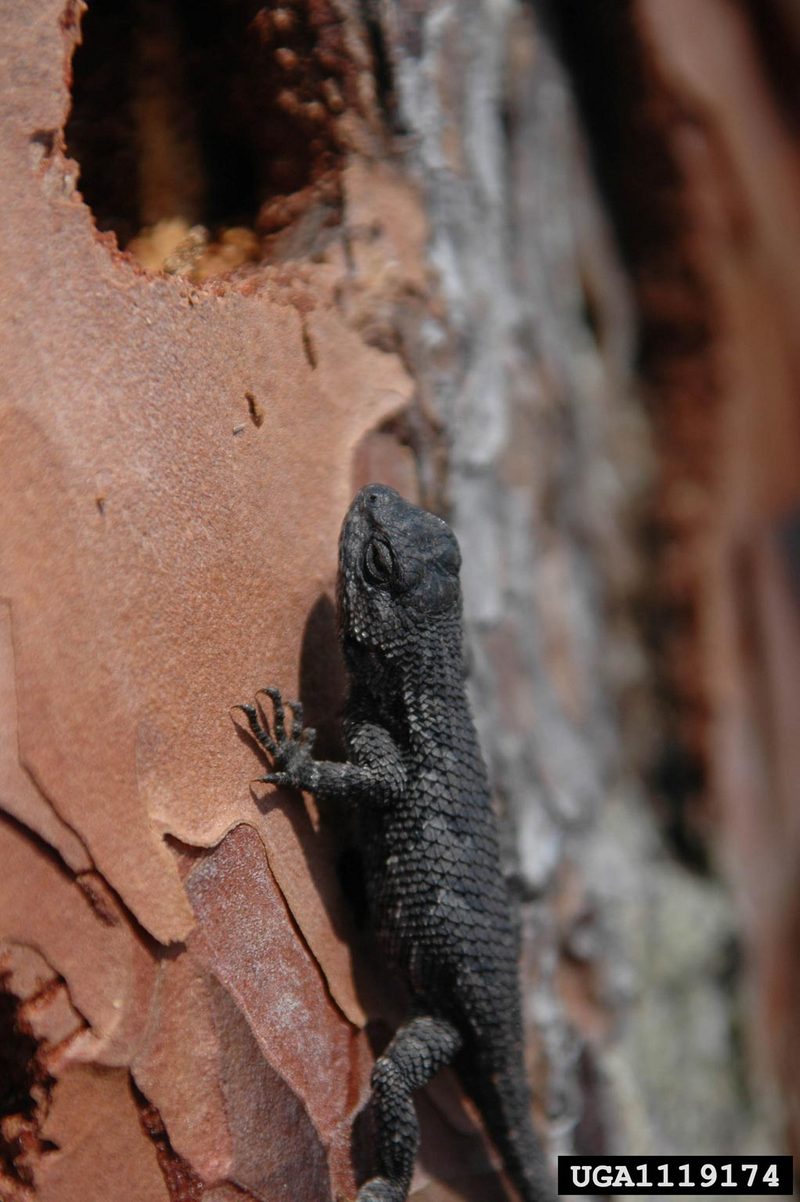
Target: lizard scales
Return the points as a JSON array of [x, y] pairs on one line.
[[437, 897]]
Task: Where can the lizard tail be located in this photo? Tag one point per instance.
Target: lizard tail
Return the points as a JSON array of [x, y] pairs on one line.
[[504, 1102]]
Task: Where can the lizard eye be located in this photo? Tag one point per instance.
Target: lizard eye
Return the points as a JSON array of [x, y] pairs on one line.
[[378, 562]]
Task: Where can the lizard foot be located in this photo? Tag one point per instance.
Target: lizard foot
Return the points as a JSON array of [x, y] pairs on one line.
[[381, 1189], [289, 750]]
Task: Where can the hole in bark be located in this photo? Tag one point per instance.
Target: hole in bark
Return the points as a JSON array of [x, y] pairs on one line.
[[206, 134], [23, 1084], [254, 409], [308, 348], [17, 1052]]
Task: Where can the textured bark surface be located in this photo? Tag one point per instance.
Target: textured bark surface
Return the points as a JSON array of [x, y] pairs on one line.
[[706, 104], [413, 277]]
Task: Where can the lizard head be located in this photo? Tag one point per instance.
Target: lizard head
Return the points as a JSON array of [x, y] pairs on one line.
[[398, 574]]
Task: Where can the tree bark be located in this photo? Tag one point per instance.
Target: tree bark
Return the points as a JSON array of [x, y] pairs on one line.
[[534, 268]]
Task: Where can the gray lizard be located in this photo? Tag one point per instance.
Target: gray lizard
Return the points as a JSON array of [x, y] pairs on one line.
[[437, 899]]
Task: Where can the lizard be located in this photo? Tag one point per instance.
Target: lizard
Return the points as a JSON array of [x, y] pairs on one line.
[[437, 898]]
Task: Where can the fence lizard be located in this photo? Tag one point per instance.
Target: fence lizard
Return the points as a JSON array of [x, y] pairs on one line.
[[437, 898]]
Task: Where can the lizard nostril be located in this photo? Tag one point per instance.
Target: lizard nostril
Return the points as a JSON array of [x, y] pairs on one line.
[[376, 495]]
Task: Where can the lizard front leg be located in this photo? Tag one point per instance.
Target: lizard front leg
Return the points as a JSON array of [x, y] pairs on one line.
[[378, 775]]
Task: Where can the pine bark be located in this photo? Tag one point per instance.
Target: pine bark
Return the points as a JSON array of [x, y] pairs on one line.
[[533, 265]]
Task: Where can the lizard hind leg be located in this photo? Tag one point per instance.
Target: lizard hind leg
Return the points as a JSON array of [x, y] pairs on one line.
[[419, 1049]]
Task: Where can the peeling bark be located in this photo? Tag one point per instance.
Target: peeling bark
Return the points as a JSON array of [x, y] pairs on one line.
[[368, 244]]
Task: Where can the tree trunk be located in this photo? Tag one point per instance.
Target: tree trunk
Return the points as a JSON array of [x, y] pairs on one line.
[[534, 266]]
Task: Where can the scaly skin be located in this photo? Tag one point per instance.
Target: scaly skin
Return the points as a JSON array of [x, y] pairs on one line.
[[437, 897]]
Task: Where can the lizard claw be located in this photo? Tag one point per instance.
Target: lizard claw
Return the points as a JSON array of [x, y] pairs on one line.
[[256, 729], [290, 751], [277, 709]]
